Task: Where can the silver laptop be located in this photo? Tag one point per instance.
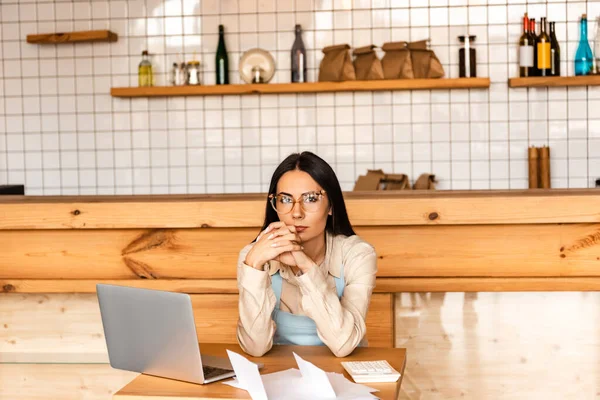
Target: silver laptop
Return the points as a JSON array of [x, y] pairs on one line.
[[153, 332]]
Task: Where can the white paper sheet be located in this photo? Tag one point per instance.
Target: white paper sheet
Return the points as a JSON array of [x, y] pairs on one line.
[[316, 378], [310, 382], [248, 376]]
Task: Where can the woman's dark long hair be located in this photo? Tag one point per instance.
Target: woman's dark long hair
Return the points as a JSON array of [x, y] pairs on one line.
[[337, 223]]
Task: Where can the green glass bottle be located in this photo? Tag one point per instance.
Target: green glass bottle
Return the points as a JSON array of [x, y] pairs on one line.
[[222, 64]]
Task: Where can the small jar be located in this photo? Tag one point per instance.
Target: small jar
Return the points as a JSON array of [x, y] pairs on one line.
[[193, 73], [257, 76], [467, 57], [179, 74]]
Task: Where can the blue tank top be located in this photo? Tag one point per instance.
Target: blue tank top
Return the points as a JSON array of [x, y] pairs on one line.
[[297, 329]]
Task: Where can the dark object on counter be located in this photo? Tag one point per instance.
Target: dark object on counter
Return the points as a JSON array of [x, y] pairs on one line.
[[376, 179], [534, 177], [12, 189], [222, 62], [598, 183], [545, 167], [467, 57], [336, 65], [298, 58], [366, 64], [396, 62], [539, 167], [425, 63], [425, 182]]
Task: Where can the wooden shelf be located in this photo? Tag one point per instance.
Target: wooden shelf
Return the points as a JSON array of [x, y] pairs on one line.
[[555, 81], [312, 87], [72, 37]]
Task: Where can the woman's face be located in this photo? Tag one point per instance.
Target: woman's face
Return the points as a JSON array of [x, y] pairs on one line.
[[310, 225]]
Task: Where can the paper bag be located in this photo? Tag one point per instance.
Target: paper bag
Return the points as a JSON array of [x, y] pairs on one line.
[[376, 179], [425, 182], [425, 63], [336, 65], [366, 64], [396, 62]]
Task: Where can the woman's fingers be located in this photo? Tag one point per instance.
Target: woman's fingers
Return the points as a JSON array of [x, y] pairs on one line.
[[292, 237], [284, 242], [284, 231], [289, 247], [272, 226]]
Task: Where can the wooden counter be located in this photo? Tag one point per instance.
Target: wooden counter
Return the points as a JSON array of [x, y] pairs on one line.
[[426, 241]]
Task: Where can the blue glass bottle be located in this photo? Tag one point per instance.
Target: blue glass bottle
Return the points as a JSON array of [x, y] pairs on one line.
[[583, 58]]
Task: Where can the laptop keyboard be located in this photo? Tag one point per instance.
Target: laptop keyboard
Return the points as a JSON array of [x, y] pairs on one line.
[[212, 372]]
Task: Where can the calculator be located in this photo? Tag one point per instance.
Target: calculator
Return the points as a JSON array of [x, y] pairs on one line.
[[371, 371]]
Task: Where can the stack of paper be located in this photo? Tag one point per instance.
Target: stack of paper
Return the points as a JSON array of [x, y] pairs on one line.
[[309, 382]]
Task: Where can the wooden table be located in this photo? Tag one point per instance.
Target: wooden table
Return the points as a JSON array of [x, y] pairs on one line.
[[146, 387]]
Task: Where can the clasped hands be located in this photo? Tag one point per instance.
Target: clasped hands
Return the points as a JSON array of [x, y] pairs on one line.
[[282, 243]]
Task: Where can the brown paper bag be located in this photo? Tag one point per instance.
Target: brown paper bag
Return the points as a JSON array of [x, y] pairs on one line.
[[366, 64], [336, 65], [396, 62], [376, 179], [425, 63], [395, 182], [425, 182]]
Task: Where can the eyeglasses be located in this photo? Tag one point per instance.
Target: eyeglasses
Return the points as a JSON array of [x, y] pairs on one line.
[[284, 203]]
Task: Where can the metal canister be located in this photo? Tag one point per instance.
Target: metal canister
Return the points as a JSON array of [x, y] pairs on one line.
[[193, 73]]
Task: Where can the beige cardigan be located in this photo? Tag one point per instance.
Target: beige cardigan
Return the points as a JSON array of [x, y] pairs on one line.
[[340, 322]]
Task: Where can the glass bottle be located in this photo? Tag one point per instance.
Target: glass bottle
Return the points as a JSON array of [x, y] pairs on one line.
[[145, 74], [467, 57], [222, 63], [583, 56], [597, 47], [543, 50], [533, 38], [525, 50], [554, 51], [298, 58]]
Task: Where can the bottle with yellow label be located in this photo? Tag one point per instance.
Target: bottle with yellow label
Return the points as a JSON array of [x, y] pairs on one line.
[[543, 51]]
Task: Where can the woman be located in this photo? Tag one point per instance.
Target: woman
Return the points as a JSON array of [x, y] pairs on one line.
[[307, 278]]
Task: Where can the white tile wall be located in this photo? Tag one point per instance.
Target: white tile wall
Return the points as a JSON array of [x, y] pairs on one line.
[[62, 133]]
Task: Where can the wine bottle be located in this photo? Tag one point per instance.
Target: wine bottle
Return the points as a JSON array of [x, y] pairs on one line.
[[222, 63], [533, 37], [583, 56], [525, 50], [543, 50], [554, 51], [298, 57]]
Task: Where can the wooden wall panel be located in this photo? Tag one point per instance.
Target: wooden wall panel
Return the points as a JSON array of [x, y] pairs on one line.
[[247, 210], [549, 250], [68, 328]]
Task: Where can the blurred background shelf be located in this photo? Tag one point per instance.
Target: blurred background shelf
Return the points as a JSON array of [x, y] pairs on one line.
[[555, 81], [312, 87], [73, 37]]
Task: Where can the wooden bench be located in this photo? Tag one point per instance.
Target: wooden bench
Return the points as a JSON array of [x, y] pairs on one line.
[[55, 249]]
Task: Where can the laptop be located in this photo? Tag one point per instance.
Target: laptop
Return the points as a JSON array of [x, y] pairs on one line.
[[153, 332]]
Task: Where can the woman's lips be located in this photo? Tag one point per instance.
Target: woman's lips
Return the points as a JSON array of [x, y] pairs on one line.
[[301, 229]]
